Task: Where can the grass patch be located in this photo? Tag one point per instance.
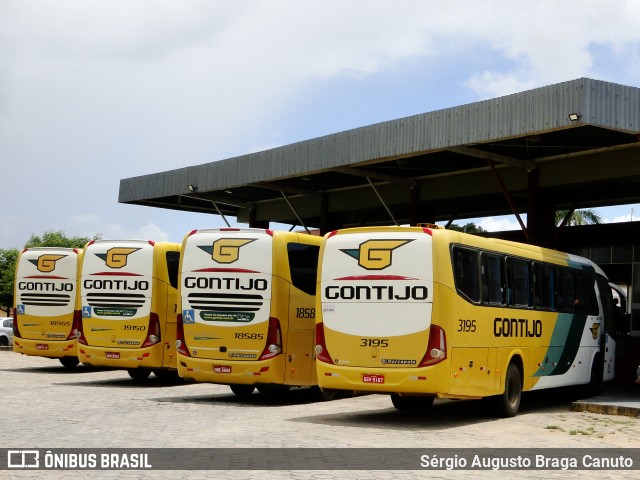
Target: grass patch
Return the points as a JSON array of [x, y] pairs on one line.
[[554, 427]]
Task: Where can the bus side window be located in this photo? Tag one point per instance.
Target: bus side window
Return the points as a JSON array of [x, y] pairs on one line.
[[544, 286], [493, 281], [585, 296], [466, 271], [566, 290], [173, 259], [303, 266], [519, 284]]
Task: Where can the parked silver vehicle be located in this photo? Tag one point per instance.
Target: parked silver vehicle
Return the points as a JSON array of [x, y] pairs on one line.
[[6, 331]]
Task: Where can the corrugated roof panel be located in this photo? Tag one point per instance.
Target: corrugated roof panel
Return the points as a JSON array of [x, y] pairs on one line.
[[536, 111]]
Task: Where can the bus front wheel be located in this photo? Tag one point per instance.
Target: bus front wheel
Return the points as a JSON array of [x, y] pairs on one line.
[[242, 390], [412, 404], [508, 403]]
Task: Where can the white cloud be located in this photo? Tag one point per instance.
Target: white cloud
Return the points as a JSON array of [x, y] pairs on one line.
[[619, 219], [93, 91], [501, 223]]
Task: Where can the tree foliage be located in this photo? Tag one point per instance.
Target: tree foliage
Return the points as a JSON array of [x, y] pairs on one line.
[[9, 257], [57, 238], [585, 216], [467, 228], [7, 268]]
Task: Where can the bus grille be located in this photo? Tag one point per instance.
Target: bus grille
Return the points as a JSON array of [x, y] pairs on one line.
[[225, 302], [45, 299], [111, 299]]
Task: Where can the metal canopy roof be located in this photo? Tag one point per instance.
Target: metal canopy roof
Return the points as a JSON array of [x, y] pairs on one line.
[[428, 167]]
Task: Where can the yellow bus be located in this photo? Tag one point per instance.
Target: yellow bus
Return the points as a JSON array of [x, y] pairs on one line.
[[128, 293], [45, 311], [248, 308], [421, 313]]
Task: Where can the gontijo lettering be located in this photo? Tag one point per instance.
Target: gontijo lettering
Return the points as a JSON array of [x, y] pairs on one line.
[[517, 327], [376, 292], [45, 286], [225, 283], [116, 284]]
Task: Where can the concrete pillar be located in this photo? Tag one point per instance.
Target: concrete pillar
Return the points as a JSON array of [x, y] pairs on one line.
[[541, 209]]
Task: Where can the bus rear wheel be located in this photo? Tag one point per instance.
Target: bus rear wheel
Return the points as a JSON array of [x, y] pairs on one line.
[[412, 404], [322, 394], [139, 374], [167, 375], [508, 403], [273, 389], [242, 390], [69, 362]]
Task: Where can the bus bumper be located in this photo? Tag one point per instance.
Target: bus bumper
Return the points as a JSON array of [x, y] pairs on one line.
[[125, 358], [232, 372], [425, 381], [45, 348]]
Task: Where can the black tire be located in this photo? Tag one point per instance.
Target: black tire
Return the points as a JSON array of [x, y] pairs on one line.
[[4, 342], [273, 389], [167, 375], [69, 362], [323, 395], [242, 390], [139, 374], [412, 404], [508, 404]]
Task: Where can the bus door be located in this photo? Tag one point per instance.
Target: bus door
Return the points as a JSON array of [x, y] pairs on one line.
[[169, 264], [607, 342], [302, 261]]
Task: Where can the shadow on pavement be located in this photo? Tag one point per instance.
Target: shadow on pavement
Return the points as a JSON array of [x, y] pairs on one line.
[[295, 396]]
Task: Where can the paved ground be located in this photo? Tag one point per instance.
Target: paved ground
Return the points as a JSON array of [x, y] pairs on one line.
[[47, 406]]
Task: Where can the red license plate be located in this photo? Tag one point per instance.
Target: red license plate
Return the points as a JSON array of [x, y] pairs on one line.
[[41, 346], [372, 378], [221, 369], [115, 355]]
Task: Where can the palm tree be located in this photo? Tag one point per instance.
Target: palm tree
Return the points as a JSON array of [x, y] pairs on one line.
[[586, 216]]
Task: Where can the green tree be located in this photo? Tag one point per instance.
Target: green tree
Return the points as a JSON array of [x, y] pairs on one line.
[[7, 268], [9, 257], [467, 228], [57, 238], [585, 216]]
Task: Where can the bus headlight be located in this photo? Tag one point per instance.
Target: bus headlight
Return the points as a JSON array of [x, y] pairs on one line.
[[275, 349]]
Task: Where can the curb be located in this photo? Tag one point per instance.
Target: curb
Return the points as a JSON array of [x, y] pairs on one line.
[[605, 409]]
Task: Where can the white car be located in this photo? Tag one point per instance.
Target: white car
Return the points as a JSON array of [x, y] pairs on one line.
[[6, 331]]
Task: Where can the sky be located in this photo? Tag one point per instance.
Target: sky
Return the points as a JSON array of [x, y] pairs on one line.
[[95, 91]]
